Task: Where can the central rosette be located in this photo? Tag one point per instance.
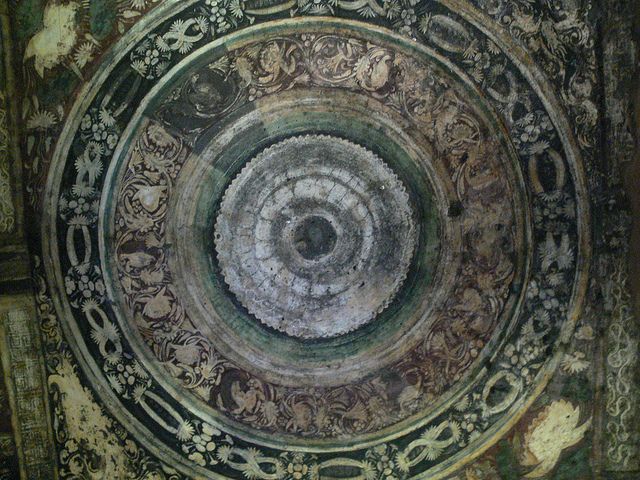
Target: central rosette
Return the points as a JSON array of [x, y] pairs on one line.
[[315, 236]]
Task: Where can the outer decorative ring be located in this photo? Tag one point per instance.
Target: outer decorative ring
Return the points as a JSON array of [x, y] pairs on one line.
[[525, 388]]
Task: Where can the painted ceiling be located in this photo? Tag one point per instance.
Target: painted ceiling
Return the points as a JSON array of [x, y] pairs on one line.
[[323, 239]]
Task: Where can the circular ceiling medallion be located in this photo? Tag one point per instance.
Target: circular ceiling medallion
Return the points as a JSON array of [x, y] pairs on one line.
[[318, 240], [315, 236], [415, 261]]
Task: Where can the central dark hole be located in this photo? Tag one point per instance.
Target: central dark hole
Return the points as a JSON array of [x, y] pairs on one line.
[[314, 237]]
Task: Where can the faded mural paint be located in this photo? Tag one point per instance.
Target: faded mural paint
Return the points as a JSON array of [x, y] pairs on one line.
[[569, 431]]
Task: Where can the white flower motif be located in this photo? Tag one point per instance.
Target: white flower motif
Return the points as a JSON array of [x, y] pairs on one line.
[[140, 67], [185, 431], [538, 147], [161, 68], [83, 54], [103, 335], [112, 358], [138, 4], [83, 189], [139, 370], [573, 363], [138, 392], [115, 383], [201, 24], [106, 118], [41, 120]]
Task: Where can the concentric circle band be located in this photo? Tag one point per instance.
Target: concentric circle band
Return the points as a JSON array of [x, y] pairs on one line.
[[315, 236], [172, 318]]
